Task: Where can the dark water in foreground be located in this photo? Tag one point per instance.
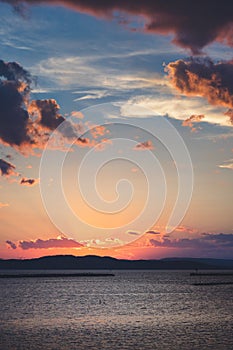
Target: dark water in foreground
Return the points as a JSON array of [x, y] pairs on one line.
[[144, 310]]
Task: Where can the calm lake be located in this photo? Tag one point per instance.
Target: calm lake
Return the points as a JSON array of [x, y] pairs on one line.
[[138, 310]]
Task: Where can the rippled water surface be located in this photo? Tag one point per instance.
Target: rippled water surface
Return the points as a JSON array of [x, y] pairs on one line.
[[133, 310]]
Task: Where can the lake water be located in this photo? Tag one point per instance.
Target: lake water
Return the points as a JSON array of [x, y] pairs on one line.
[[138, 310]]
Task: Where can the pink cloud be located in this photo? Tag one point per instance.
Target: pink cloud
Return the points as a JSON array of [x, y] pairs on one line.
[[189, 122], [77, 114]]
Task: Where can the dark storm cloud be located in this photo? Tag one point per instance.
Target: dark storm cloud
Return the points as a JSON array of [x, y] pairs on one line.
[[14, 89], [6, 168], [14, 72], [62, 242], [194, 24], [203, 77], [26, 124], [11, 244]]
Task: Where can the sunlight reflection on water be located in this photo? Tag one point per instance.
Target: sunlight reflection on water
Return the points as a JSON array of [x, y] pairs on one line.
[[134, 310]]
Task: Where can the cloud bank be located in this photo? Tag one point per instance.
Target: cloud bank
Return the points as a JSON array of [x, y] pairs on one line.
[[60, 242], [207, 241]]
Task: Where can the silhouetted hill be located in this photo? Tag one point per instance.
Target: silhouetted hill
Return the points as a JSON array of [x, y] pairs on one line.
[[91, 262]]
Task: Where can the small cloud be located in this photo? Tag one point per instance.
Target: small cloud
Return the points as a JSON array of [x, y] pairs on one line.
[[191, 120], [147, 145], [227, 165], [3, 205], [11, 244], [134, 170], [7, 169], [134, 233], [77, 114], [97, 130], [29, 182], [105, 243], [84, 142], [152, 232], [103, 144], [186, 229]]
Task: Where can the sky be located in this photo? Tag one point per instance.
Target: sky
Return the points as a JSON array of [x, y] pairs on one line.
[[116, 128]]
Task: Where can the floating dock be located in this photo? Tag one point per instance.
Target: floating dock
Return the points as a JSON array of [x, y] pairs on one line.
[[52, 275], [211, 274]]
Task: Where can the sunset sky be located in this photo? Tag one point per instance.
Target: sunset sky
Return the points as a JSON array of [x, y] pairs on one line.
[[96, 92]]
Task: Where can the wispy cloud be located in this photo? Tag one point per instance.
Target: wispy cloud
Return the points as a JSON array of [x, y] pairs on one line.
[[89, 71], [3, 205], [91, 94], [186, 229], [228, 164], [152, 232], [134, 233], [177, 107]]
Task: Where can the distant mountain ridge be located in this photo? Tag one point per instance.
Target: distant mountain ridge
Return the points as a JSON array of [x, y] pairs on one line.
[[92, 262]]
